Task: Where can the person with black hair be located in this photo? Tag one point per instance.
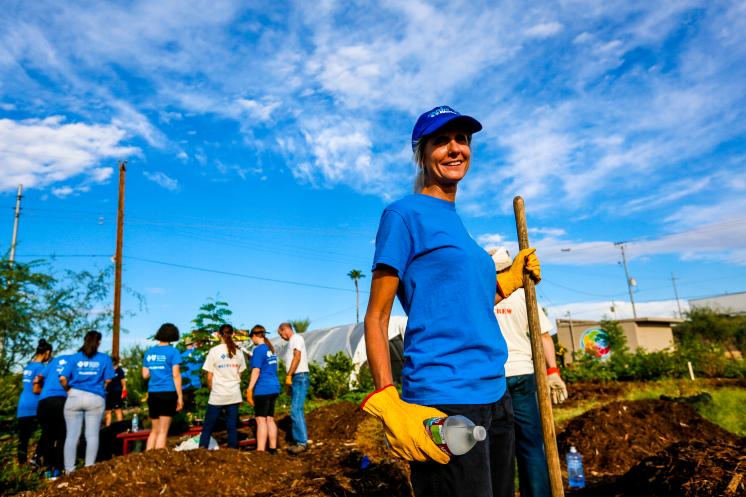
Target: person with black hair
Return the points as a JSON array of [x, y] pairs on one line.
[[161, 367], [51, 415], [224, 365], [85, 377], [116, 392], [264, 387], [28, 402]]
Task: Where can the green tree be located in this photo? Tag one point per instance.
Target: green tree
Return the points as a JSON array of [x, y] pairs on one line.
[[710, 327], [211, 316], [35, 304], [355, 275], [131, 361], [300, 325]]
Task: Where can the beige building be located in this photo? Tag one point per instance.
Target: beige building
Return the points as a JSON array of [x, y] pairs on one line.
[[650, 334]]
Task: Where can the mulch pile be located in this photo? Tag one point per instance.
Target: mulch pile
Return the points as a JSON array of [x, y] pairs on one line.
[[583, 391], [636, 448], [656, 448], [330, 467]]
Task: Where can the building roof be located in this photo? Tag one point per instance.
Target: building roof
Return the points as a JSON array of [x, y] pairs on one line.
[[583, 322], [727, 302]]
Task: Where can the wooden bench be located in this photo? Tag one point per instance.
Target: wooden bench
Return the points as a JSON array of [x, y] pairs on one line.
[[133, 436]]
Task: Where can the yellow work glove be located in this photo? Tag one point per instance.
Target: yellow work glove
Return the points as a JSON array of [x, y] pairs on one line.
[[402, 424], [289, 380], [511, 279], [250, 398]]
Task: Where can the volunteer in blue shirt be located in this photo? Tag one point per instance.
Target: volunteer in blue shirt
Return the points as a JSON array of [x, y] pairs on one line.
[[191, 367], [85, 377], [29, 399], [454, 353], [160, 366], [52, 416], [264, 387], [116, 392]]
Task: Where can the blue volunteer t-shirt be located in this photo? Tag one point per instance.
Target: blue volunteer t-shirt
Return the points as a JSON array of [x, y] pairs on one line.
[[454, 352], [191, 365], [51, 374], [160, 360], [88, 373], [266, 361], [29, 401]]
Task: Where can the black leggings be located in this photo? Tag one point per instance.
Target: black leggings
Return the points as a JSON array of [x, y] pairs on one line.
[[53, 430], [26, 428]]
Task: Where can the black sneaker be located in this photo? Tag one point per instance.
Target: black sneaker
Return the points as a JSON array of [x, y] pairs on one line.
[[297, 449]]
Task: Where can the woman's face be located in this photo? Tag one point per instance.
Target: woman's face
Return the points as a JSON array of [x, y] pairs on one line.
[[447, 156], [257, 338]]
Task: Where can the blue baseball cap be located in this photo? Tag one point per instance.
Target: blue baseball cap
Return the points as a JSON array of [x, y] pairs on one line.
[[434, 119]]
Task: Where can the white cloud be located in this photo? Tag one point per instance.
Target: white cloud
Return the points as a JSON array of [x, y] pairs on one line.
[[721, 241], [260, 111], [62, 191], [544, 30], [622, 309], [162, 179], [42, 152], [547, 231]]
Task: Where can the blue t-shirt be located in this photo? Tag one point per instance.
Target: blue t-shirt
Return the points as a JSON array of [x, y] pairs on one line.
[[454, 352], [160, 360], [88, 373], [191, 365], [29, 401], [266, 361], [51, 374], [115, 385]]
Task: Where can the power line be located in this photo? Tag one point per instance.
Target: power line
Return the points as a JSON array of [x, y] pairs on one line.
[[604, 295], [238, 275]]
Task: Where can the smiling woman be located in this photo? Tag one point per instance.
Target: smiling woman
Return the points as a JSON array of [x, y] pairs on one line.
[[455, 353]]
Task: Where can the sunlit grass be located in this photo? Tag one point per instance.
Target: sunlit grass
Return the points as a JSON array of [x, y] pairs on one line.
[[728, 409]]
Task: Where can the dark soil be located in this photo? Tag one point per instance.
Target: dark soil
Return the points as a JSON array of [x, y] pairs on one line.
[[652, 448], [615, 437], [330, 467], [636, 448], [600, 392]]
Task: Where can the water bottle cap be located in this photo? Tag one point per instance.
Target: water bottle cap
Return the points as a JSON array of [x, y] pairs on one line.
[[479, 433], [573, 449]]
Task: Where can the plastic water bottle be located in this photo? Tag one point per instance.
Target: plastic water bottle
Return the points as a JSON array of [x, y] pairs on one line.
[[135, 423], [454, 435], [575, 468]]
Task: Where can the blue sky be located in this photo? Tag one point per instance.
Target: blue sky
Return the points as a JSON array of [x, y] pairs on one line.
[[264, 141]]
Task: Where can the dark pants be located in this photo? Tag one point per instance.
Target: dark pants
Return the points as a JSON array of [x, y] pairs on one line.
[[26, 428], [231, 422], [52, 443], [486, 470], [533, 475]]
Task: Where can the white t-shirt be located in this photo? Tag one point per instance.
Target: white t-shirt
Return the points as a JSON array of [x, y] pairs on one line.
[[226, 375], [513, 319], [296, 342]]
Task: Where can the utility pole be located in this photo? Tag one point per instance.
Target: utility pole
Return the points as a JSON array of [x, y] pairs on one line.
[[572, 339], [15, 225], [676, 293], [118, 263], [630, 281]]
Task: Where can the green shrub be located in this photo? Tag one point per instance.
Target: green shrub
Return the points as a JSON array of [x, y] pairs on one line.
[[15, 478], [708, 361], [332, 380], [131, 362]]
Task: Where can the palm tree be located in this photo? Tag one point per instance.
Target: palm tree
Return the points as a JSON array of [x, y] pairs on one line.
[[355, 275]]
